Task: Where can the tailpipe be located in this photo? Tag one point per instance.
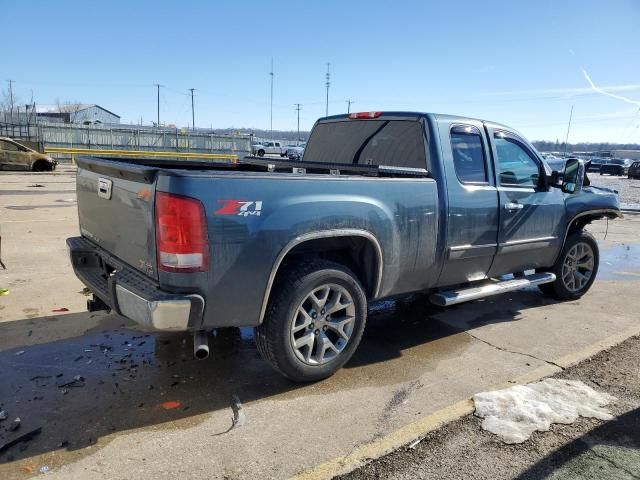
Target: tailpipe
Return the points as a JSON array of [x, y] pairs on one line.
[[201, 345]]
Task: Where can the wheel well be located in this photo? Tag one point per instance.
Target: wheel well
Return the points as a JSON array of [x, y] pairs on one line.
[[359, 254], [41, 166]]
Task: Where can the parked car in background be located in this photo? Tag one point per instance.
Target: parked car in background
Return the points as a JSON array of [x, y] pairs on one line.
[[382, 204], [15, 156], [295, 152], [269, 148], [616, 166], [634, 170], [596, 163], [556, 163]]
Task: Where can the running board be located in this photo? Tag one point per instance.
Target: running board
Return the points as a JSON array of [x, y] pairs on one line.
[[452, 297]]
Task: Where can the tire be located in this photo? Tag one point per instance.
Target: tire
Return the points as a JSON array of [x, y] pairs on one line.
[[289, 319], [570, 287], [261, 153]]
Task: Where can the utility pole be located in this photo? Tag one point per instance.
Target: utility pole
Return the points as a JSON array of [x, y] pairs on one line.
[[11, 98], [327, 85], [298, 105], [158, 87], [349, 102], [193, 116], [568, 128], [271, 114]]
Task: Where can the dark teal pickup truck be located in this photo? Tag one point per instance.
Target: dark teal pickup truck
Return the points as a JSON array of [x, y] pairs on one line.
[[381, 205]]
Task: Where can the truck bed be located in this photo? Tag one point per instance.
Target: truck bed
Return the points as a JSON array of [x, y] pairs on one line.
[[247, 164]]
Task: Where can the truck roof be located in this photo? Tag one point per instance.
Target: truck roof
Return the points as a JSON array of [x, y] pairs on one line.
[[400, 115]]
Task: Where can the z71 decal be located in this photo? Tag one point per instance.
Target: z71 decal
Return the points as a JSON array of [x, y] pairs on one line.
[[239, 207]]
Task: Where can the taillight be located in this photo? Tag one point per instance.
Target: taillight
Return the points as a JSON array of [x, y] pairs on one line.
[[364, 115], [181, 234]]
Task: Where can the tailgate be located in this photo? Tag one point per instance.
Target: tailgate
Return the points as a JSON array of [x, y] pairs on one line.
[[115, 207]]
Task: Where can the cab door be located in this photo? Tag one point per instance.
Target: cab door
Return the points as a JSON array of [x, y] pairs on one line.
[[472, 217], [531, 213]]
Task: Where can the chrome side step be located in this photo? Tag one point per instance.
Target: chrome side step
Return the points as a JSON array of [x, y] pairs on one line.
[[495, 287]]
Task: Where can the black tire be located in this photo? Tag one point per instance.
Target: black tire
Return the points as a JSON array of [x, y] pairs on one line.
[[558, 289], [274, 335], [261, 153]]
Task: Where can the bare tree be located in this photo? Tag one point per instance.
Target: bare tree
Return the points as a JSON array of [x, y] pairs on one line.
[[72, 108]]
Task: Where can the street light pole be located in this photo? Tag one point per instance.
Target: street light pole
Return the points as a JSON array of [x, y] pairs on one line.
[[193, 115], [158, 119], [298, 110], [271, 112], [327, 85], [349, 102]]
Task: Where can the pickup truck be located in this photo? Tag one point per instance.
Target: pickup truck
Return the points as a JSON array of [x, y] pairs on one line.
[[271, 148], [381, 205]]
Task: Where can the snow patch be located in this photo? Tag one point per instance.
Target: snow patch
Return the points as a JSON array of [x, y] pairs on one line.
[[515, 413]]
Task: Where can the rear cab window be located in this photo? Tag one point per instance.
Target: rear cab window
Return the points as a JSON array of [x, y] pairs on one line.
[[392, 143]]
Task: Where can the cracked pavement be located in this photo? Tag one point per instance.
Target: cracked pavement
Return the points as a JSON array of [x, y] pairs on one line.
[[587, 449]]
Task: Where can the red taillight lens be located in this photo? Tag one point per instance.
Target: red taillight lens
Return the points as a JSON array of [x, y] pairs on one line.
[[364, 115], [181, 234]]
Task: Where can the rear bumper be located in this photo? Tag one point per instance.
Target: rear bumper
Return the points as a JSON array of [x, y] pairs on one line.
[[130, 293]]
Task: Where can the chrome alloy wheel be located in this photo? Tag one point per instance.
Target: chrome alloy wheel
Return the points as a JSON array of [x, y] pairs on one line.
[[577, 267], [323, 324]]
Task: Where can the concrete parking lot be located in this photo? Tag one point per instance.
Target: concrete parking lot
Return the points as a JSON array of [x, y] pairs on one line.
[[114, 402]]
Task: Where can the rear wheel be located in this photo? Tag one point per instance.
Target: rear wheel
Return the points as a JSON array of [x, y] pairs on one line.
[[314, 322], [575, 269]]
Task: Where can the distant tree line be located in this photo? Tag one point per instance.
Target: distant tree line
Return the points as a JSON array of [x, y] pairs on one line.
[[557, 146]]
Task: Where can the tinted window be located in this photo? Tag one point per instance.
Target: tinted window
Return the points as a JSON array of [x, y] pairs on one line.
[[468, 155], [395, 143], [515, 166]]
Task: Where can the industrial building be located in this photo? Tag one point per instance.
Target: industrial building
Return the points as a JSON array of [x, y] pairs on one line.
[[84, 114]]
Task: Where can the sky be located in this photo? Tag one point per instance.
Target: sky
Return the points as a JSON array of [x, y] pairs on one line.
[[521, 63]]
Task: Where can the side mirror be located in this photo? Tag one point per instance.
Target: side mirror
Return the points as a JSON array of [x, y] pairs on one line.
[[573, 177]]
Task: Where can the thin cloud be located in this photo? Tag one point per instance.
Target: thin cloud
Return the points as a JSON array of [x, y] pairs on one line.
[[569, 92], [608, 93]]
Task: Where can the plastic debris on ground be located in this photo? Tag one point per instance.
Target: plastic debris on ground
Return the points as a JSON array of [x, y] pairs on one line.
[[4, 291], [63, 309], [516, 412], [170, 405]]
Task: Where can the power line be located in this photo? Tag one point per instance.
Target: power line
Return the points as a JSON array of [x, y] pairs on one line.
[[158, 87], [193, 115], [327, 85]]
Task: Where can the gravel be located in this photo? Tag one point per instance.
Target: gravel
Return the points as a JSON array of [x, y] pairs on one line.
[[462, 449], [628, 189]]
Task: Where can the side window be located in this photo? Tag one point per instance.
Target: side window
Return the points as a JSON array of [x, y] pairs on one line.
[[8, 146], [468, 154], [516, 167]]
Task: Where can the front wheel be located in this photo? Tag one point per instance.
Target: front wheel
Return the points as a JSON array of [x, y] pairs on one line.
[[575, 269], [261, 153], [314, 322]]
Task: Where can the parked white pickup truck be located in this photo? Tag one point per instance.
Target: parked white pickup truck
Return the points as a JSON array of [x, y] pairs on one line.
[[277, 148]]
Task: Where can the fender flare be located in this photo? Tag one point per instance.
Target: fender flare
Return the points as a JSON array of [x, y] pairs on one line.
[[342, 232], [597, 214]]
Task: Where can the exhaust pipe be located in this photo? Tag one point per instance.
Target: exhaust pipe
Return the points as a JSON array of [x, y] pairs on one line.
[[201, 345]]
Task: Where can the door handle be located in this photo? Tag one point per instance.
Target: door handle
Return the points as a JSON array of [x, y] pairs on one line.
[[513, 206]]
